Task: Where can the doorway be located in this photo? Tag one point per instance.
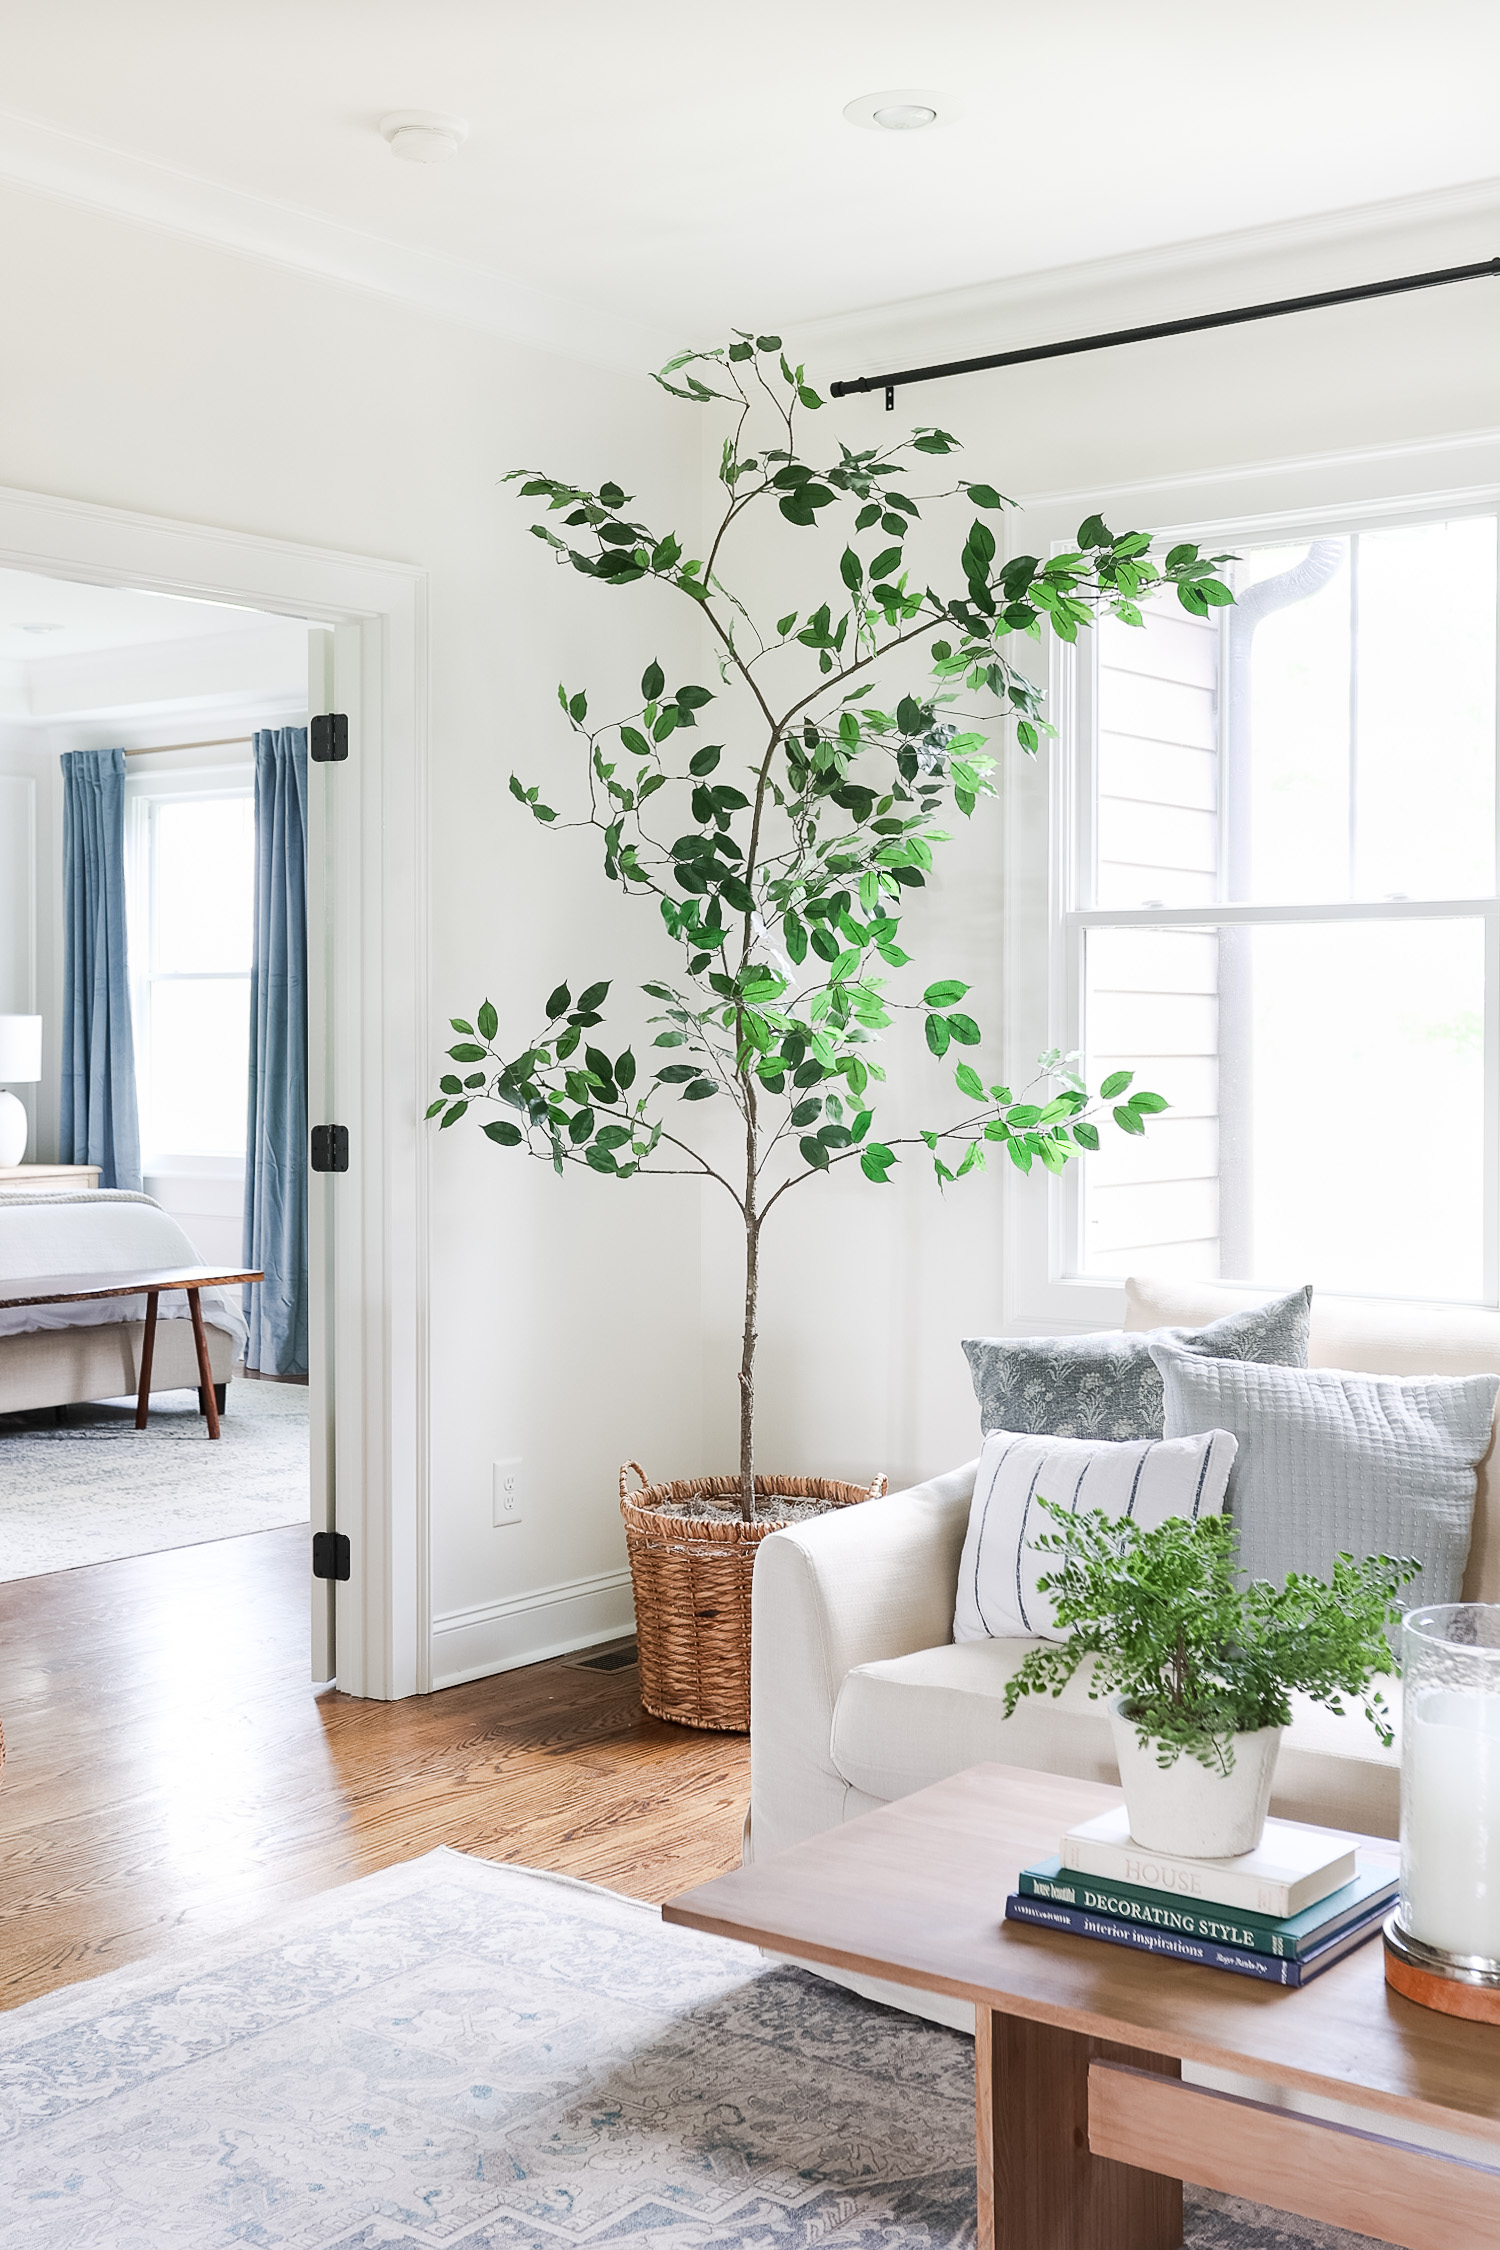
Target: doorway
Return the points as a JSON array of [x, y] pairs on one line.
[[368, 1048]]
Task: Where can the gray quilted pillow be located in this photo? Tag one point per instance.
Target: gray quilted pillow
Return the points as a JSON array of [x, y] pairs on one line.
[[1107, 1385], [1331, 1463]]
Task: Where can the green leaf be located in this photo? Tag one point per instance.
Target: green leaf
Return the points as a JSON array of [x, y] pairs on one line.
[[489, 1022], [1087, 1136], [1115, 1083], [875, 1162], [635, 742], [964, 1029], [678, 1074], [814, 1153], [433, 1107], [592, 998], [1151, 1103], [700, 1090], [467, 1052], [969, 1082], [653, 680], [885, 562], [459, 1109], [625, 1070], [944, 995], [558, 1003], [851, 570], [937, 1034], [459, 1024], [796, 937], [985, 496], [803, 1114], [704, 761], [1128, 1120], [506, 1135]]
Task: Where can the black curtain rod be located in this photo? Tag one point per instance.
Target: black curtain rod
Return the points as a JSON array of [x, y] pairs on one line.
[[1485, 267]]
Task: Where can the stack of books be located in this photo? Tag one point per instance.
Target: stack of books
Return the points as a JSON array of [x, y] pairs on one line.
[[1283, 1913]]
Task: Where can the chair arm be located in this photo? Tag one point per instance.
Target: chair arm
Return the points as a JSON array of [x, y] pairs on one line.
[[851, 1587]]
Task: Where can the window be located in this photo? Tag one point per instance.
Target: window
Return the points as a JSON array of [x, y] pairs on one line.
[[1284, 916], [192, 850]]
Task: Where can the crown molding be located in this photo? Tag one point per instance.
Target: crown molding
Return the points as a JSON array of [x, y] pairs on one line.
[[69, 168], [1209, 273]]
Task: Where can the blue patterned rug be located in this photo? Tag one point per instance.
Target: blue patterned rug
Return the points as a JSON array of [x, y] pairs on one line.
[[456, 2055]]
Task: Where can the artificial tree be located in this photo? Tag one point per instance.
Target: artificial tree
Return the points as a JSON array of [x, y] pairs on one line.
[[783, 859]]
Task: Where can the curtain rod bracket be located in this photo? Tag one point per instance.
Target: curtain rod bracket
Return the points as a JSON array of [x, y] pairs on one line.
[[1484, 268]]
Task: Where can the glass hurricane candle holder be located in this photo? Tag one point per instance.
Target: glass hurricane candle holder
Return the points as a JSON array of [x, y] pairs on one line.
[[1443, 1941]]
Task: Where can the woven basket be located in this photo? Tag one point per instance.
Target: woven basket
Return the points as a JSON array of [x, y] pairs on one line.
[[692, 1591]]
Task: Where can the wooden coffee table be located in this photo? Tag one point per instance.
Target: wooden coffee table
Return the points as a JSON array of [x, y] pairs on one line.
[[1086, 2130], [147, 1282]]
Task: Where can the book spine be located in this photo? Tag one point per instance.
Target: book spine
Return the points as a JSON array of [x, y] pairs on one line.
[[1180, 1917], [1260, 1896], [1169, 1943]]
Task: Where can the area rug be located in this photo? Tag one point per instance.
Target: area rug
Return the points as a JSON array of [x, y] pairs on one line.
[[456, 2055], [95, 1488]]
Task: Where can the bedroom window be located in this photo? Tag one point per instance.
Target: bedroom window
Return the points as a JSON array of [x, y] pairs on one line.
[[193, 861], [1284, 915]]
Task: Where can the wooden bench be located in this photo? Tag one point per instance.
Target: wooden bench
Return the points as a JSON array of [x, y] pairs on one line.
[[93, 1288]]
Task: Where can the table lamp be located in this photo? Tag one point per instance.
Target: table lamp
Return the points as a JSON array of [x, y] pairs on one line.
[[21, 1065]]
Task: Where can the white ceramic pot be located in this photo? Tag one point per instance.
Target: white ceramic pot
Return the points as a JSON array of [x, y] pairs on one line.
[[1190, 1810]]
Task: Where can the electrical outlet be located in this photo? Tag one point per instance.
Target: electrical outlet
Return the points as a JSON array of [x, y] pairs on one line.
[[507, 1490]]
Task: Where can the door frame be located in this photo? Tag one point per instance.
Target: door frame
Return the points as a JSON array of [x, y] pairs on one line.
[[368, 1054]]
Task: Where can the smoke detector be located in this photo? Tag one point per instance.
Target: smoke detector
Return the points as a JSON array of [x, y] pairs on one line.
[[423, 136], [902, 109]]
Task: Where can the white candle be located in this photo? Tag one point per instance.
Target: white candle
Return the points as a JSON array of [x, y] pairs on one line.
[[1450, 1821]]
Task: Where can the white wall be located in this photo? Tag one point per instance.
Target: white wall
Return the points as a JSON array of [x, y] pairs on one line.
[[564, 1315], [577, 1322], [868, 1290]]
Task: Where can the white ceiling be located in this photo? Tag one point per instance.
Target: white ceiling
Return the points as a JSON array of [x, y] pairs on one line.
[[682, 166], [41, 618]]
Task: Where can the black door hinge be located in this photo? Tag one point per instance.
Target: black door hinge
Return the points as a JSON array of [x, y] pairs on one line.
[[328, 743], [330, 1148], [331, 1554]]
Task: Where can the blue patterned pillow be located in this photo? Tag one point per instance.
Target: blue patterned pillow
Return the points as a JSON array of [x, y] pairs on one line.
[[1107, 1385]]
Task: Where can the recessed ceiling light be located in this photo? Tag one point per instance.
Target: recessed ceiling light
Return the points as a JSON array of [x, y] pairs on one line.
[[902, 109], [423, 136], [41, 626]]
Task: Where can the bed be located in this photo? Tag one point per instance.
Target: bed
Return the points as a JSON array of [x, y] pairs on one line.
[[61, 1355]]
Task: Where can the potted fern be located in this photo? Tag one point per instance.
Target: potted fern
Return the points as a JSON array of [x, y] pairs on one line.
[[781, 823], [1197, 1670]]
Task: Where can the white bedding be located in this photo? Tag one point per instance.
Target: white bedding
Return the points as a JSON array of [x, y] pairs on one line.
[[106, 1231]]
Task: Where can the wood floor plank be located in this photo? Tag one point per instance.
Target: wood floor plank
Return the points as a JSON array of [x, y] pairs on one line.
[[169, 1769]]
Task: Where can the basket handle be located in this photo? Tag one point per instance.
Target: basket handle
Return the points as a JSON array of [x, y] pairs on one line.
[[640, 1472], [877, 1490]]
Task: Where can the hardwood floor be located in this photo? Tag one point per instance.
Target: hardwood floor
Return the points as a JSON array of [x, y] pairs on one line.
[[169, 1768]]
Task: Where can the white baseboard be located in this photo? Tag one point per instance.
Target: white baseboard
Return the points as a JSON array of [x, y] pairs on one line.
[[468, 1644]]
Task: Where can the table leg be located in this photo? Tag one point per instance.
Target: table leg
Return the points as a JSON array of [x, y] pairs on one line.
[[1040, 2188], [205, 1372], [148, 1347]]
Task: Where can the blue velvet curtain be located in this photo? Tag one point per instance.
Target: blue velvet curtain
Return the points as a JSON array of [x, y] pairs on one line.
[[99, 1123], [276, 1138]]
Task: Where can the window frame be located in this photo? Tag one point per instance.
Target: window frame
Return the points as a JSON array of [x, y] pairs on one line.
[[144, 793], [1049, 812]]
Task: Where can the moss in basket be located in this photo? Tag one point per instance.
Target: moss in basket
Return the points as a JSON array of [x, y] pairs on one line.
[[1196, 1656], [783, 821]]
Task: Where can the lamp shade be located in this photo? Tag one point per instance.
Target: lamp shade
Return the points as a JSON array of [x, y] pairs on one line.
[[20, 1050]]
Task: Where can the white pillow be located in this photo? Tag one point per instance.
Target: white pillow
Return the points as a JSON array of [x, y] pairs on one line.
[[1147, 1479]]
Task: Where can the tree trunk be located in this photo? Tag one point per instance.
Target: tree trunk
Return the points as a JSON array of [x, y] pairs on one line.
[[747, 1369]]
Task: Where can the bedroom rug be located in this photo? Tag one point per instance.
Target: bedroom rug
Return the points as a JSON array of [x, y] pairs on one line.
[[457, 2055], [95, 1488]]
